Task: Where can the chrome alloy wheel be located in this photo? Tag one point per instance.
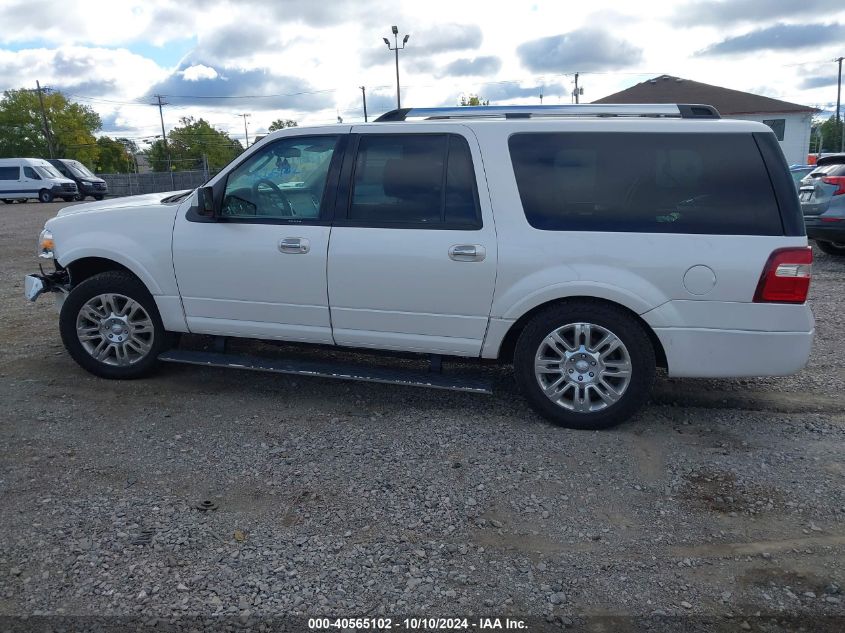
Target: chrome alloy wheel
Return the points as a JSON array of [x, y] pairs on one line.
[[583, 367], [115, 329]]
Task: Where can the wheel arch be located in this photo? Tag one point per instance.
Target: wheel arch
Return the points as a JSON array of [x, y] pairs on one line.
[[85, 267], [508, 344]]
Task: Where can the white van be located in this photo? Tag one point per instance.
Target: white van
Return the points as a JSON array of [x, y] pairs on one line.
[[24, 178]]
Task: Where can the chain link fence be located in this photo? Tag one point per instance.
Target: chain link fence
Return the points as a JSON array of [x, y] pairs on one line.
[[154, 182]]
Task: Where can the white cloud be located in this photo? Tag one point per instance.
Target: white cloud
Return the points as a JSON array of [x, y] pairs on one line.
[[198, 72]]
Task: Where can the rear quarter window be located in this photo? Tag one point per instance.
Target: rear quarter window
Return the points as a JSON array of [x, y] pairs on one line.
[[644, 182], [10, 173]]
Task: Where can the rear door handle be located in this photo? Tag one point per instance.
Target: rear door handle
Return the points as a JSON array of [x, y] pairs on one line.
[[294, 245], [467, 252]]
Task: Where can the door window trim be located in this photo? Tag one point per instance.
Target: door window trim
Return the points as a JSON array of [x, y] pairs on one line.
[[327, 204], [346, 188]]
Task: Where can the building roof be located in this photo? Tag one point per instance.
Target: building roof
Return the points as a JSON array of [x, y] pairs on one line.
[[668, 89]]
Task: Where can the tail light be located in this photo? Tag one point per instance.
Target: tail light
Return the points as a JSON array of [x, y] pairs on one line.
[[786, 277], [839, 181]]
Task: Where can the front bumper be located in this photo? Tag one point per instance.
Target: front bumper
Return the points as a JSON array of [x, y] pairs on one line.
[[37, 285], [61, 190], [95, 189]]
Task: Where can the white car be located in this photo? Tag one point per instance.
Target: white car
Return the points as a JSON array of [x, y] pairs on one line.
[[587, 245], [24, 178]]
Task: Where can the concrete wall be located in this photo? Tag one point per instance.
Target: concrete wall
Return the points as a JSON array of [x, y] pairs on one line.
[[796, 137]]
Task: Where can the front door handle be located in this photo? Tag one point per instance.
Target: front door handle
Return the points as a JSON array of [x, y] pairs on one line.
[[294, 245], [467, 253]]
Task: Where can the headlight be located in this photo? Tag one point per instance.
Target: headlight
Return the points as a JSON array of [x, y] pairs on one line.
[[45, 245], [86, 183]]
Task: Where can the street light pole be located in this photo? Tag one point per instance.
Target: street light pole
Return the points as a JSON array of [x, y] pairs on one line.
[[396, 48], [838, 101]]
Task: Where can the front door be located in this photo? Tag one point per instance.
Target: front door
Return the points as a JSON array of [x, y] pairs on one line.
[[412, 259], [259, 271]]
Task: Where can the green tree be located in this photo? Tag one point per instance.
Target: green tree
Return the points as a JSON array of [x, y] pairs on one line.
[[281, 124], [72, 126], [473, 100], [189, 142], [114, 157], [831, 135]]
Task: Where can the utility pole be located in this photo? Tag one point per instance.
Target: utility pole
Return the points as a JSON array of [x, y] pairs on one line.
[[364, 97], [396, 48], [160, 102], [49, 136], [838, 102], [575, 92], [541, 98], [246, 134]]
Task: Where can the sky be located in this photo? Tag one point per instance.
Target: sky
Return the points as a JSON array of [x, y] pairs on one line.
[[306, 59]]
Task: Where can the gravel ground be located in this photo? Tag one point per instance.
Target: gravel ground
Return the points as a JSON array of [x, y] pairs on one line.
[[721, 507]]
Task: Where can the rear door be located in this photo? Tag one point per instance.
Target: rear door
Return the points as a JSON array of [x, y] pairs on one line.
[[10, 180], [412, 258]]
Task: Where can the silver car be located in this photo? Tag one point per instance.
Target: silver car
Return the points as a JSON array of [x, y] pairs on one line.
[[822, 197]]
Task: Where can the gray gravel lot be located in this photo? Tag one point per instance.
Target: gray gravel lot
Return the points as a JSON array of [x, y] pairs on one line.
[[724, 499]]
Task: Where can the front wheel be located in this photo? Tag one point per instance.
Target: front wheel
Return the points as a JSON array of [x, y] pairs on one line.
[[45, 196], [111, 327], [585, 364], [832, 248], [79, 197], [67, 198], [98, 197]]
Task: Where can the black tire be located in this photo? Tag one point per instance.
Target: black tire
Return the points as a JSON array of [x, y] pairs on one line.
[[79, 197], [122, 283], [615, 319], [832, 248], [8, 201], [67, 198], [45, 196], [98, 197]]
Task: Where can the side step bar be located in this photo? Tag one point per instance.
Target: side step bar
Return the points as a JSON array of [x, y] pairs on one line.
[[340, 371]]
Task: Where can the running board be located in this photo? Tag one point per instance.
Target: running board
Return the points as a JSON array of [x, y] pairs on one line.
[[341, 371]]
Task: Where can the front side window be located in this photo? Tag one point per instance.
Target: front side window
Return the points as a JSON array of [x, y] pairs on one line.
[[29, 172], [414, 180], [644, 182], [284, 181]]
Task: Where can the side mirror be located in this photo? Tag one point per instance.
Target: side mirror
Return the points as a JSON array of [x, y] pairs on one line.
[[205, 202]]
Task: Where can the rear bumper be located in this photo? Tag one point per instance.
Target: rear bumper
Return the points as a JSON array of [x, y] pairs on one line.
[[704, 353], [825, 231]]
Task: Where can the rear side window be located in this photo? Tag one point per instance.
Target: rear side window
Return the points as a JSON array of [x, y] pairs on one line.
[[10, 173], [414, 180], [650, 183]]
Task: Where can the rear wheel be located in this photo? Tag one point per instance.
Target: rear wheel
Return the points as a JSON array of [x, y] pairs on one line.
[[8, 201], [832, 248], [111, 327], [45, 196], [584, 364]]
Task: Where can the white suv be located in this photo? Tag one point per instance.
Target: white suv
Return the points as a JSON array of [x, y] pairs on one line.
[[586, 245]]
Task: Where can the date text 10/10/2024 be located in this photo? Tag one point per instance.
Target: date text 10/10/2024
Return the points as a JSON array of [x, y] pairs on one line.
[[422, 623]]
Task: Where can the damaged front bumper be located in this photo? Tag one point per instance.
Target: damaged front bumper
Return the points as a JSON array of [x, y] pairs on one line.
[[37, 285]]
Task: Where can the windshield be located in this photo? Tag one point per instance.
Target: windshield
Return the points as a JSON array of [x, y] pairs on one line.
[[48, 171], [79, 169]]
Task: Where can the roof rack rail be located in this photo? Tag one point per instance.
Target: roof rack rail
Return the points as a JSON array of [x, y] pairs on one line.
[[656, 110]]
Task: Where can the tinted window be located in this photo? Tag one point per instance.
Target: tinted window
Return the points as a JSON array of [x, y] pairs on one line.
[[285, 180], [657, 183], [414, 179], [29, 172], [778, 127], [10, 173]]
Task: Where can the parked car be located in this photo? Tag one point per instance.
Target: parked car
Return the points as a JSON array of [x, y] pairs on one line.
[[798, 172], [87, 183], [24, 178], [584, 244], [824, 166], [823, 207]]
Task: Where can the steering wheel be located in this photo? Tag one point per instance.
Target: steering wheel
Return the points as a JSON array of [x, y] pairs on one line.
[[273, 192]]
